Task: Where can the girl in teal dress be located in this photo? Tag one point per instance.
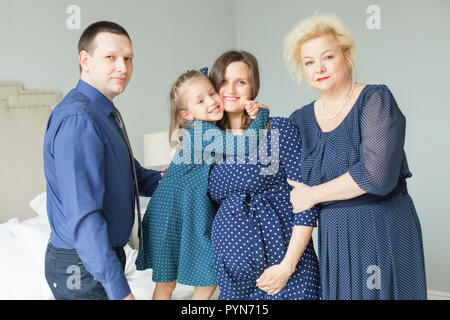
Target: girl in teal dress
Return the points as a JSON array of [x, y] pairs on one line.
[[177, 223]]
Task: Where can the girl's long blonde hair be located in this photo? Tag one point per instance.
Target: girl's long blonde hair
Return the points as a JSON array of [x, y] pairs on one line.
[[178, 103]]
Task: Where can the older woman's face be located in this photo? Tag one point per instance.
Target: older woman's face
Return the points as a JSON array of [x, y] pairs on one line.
[[324, 63], [236, 88]]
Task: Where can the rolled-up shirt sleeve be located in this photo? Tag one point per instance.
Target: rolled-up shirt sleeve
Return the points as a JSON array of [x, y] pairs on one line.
[[79, 152], [382, 139]]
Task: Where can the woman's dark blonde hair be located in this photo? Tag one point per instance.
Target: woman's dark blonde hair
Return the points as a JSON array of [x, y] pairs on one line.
[[178, 103], [217, 74]]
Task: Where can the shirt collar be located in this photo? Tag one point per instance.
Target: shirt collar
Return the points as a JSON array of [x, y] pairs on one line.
[[98, 99]]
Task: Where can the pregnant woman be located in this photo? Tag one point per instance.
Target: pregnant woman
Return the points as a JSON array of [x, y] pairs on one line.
[[254, 228], [354, 164]]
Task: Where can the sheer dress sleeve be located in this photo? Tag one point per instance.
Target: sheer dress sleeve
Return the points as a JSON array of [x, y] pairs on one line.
[[382, 126]]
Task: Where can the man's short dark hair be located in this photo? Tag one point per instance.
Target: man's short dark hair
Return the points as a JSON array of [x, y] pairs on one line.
[[87, 37]]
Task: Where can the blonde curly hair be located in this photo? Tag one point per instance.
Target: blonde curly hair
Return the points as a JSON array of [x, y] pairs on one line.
[[310, 28]]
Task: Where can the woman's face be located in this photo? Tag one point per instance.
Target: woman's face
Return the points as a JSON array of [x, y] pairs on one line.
[[235, 88], [325, 65]]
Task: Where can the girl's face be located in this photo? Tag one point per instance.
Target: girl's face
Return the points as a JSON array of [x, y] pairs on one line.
[[235, 88], [203, 102], [325, 65]]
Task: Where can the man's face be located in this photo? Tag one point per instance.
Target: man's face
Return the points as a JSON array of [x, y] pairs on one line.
[[110, 66]]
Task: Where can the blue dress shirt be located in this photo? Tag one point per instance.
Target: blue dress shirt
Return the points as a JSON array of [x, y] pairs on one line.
[[90, 195]]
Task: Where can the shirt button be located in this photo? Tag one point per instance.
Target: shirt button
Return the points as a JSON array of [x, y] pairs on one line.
[[55, 285]]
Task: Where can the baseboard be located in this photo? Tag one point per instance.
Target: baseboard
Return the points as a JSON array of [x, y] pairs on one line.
[[438, 295]]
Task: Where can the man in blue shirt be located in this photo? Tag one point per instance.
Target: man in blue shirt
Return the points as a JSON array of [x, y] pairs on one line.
[[89, 173]]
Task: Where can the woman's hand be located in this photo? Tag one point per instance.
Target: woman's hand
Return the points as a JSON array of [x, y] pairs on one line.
[[302, 196], [252, 108], [274, 278]]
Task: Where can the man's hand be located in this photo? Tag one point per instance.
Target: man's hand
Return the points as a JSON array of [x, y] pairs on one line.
[[129, 297], [162, 173]]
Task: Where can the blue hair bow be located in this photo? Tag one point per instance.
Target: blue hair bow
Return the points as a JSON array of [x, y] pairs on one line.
[[204, 70]]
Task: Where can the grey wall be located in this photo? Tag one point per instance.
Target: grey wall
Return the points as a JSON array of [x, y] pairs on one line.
[[409, 54], [168, 36]]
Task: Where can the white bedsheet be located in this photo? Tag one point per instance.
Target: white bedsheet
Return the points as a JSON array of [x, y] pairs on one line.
[[22, 251]]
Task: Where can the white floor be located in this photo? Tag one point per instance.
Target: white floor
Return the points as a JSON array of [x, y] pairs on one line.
[[438, 295]]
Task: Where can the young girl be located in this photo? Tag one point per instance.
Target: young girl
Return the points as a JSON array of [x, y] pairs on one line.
[[178, 220]]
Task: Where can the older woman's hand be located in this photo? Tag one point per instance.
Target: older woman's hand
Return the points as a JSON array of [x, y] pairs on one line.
[[274, 278], [301, 196]]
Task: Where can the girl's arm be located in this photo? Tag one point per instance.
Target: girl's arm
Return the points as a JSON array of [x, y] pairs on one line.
[[249, 140], [203, 142]]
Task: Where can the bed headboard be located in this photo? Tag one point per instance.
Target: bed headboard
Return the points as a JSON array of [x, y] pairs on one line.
[[23, 119]]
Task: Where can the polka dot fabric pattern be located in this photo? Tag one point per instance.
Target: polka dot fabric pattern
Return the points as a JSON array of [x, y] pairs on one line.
[[177, 228], [374, 250], [178, 220], [254, 223]]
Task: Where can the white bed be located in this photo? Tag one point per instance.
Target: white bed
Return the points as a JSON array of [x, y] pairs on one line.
[[23, 245], [24, 227]]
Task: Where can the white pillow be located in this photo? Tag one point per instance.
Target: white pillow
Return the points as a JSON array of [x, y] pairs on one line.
[[22, 268], [39, 204], [22, 246]]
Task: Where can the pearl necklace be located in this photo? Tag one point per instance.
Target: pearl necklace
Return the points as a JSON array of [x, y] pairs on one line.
[[340, 109]]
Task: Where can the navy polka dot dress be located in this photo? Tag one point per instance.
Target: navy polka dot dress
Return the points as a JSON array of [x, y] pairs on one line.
[[253, 226], [177, 224], [369, 247]]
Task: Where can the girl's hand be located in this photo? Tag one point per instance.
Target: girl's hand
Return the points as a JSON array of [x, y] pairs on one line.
[[301, 196], [252, 108], [274, 278]]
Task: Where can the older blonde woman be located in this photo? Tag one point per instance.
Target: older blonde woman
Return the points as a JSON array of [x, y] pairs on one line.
[[354, 166]]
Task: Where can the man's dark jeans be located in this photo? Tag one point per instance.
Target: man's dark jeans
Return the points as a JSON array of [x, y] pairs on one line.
[[68, 278]]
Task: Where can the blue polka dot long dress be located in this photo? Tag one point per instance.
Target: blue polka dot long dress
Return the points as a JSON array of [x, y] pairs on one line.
[[253, 226], [176, 227], [370, 247]]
